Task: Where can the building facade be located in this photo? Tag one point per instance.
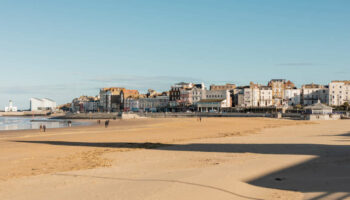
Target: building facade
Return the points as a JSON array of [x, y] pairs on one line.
[[45, 104], [174, 93], [339, 92], [292, 96], [312, 93], [265, 98], [219, 94], [85, 104], [198, 93], [109, 99], [10, 107], [278, 88]]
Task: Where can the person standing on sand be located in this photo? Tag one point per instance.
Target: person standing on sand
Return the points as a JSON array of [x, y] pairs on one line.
[[44, 128], [41, 128], [106, 123], [200, 119], [98, 121]]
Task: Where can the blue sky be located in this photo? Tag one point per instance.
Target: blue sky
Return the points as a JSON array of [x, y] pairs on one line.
[[63, 49]]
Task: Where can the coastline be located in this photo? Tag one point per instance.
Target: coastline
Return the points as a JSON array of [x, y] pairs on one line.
[[133, 130], [25, 123], [241, 151]]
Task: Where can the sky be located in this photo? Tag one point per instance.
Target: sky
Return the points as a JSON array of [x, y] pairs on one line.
[[65, 49]]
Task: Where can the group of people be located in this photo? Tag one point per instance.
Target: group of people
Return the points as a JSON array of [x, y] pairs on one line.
[[106, 123], [42, 128]]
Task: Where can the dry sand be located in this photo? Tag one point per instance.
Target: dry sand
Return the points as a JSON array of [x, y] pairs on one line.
[[218, 158]]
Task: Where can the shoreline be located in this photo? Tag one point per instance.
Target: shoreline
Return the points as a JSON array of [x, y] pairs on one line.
[[122, 134], [76, 123], [248, 154]]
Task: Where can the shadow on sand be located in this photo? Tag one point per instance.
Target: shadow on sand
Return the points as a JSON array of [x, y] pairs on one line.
[[329, 172]]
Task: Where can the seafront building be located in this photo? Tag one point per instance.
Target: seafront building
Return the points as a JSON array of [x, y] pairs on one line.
[[278, 93], [278, 89], [339, 92], [292, 96], [265, 98], [312, 93], [252, 95], [198, 93], [109, 99], [85, 104], [114, 99], [10, 107], [44, 104]]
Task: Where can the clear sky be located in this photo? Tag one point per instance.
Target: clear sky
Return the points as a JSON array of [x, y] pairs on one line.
[[64, 49]]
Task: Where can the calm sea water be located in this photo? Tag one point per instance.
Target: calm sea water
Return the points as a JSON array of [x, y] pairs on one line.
[[20, 123]]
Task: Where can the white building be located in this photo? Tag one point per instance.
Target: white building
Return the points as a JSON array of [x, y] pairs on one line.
[[198, 93], [219, 94], [153, 104], [209, 105], [265, 99], [10, 108], [251, 97], [339, 92], [311, 93], [292, 96], [37, 104]]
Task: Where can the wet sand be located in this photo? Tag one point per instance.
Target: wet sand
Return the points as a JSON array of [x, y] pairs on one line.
[[218, 158]]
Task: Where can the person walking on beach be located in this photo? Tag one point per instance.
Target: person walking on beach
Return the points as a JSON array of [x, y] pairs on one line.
[[200, 119], [98, 121], [106, 123], [41, 128], [44, 128], [69, 123]]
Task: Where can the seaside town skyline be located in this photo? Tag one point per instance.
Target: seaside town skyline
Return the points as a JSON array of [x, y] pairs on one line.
[[182, 96], [23, 102], [181, 99]]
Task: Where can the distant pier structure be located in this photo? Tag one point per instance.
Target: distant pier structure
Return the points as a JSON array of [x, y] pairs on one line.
[[10, 108]]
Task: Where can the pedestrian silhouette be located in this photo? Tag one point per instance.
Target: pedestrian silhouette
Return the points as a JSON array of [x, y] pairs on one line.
[[106, 123]]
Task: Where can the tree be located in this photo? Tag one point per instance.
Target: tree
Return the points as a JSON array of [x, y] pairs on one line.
[[346, 105]]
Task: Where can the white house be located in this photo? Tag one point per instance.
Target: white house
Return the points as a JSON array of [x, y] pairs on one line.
[[198, 92], [339, 92], [292, 96], [37, 104], [265, 99], [312, 93], [219, 94], [10, 108]]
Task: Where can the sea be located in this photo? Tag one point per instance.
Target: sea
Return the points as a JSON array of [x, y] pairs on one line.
[[22, 123]]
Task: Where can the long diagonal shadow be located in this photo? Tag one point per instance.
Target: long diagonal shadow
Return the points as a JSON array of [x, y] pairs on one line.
[[328, 172]]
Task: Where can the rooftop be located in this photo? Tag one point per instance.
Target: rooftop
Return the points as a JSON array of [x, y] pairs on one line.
[[318, 106]]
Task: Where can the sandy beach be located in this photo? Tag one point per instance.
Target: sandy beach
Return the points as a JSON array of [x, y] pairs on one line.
[[180, 158]]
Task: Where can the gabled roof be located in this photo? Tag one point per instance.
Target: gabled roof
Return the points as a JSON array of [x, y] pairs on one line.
[[318, 106]]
